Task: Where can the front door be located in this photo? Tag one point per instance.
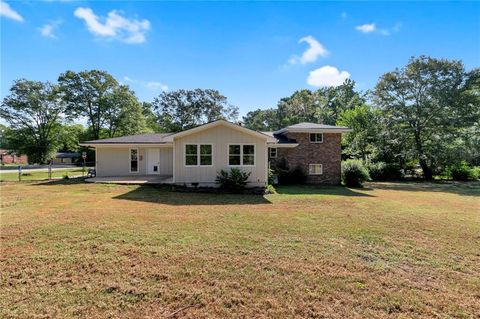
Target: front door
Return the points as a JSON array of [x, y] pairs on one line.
[[153, 161]]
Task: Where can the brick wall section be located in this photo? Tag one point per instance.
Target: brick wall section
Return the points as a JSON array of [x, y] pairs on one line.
[[327, 153]]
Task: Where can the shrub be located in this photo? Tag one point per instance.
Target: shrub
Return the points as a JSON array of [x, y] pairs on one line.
[[475, 172], [460, 171], [354, 173], [272, 177], [235, 180], [382, 171], [290, 176]]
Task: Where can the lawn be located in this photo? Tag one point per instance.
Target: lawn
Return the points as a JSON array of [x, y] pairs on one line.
[[29, 175], [391, 250]]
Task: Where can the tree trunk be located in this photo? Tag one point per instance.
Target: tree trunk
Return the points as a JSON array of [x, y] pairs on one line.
[[427, 170]]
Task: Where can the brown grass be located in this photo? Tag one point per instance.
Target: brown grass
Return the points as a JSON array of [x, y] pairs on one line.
[[393, 250]]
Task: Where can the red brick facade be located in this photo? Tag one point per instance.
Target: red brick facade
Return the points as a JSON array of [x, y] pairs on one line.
[[328, 153]]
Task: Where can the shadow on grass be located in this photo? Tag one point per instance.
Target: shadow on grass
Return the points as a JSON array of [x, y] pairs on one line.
[[460, 188], [164, 195], [321, 190], [54, 182]]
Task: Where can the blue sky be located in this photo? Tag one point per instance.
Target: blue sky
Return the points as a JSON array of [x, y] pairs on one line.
[[253, 52]]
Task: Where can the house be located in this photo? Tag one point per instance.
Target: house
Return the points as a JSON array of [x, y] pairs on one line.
[[65, 158], [10, 157], [198, 154]]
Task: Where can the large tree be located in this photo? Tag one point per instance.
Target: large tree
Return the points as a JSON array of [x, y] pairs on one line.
[[321, 106], [34, 112], [429, 102], [123, 113], [184, 109], [86, 94]]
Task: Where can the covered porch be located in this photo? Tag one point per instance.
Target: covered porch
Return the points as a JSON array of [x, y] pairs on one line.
[[133, 179]]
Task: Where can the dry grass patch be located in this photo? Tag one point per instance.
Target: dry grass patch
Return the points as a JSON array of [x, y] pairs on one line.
[[75, 250]]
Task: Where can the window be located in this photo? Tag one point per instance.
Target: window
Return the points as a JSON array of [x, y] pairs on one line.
[[191, 155], [134, 160], [205, 155], [315, 169], [273, 152], [198, 155], [316, 138], [241, 155]]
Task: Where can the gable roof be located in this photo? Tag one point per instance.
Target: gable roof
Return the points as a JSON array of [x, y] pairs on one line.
[[148, 138], [207, 126], [306, 127]]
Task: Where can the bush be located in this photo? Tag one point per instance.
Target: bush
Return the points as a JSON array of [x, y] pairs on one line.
[[460, 171], [290, 176], [354, 173], [382, 171], [475, 172], [236, 180]]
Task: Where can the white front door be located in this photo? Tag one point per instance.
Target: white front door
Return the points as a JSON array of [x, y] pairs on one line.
[[153, 161]]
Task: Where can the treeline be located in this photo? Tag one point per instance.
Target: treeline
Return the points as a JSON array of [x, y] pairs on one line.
[[42, 115], [426, 113]]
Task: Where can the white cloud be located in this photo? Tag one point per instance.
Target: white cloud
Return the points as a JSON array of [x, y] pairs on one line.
[[48, 29], [314, 51], [366, 28], [327, 76], [7, 12], [114, 26], [153, 85], [157, 86]]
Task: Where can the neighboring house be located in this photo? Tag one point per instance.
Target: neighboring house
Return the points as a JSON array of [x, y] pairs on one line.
[[10, 157], [198, 154], [65, 158]]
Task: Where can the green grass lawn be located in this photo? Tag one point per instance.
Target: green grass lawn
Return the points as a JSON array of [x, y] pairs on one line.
[[391, 250], [6, 176]]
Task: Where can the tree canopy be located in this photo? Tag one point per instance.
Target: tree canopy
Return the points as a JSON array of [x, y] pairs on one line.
[[428, 102], [34, 111], [183, 109]]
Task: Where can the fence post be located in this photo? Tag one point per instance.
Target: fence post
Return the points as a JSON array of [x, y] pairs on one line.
[[50, 170], [19, 173]]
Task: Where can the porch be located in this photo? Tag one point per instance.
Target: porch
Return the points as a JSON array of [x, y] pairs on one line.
[[133, 179]]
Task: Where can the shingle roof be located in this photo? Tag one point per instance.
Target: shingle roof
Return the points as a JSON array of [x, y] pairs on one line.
[[281, 139], [313, 126], [149, 138]]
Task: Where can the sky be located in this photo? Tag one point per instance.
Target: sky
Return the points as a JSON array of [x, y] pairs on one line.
[[254, 53]]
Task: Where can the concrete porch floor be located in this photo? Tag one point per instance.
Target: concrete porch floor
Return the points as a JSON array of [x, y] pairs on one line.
[[133, 179]]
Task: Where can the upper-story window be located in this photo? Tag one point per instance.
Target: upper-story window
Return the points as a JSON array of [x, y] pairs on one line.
[[316, 138], [198, 155], [241, 155], [273, 152]]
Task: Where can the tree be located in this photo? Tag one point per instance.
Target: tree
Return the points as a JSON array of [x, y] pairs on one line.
[[184, 109], [151, 119], [123, 113], [70, 137], [34, 112], [321, 106], [86, 94], [364, 120], [428, 102], [262, 120]]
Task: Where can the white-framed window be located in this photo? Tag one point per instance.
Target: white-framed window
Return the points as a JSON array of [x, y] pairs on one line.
[[273, 152], [316, 137], [133, 158], [241, 155], [315, 169], [198, 155]]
